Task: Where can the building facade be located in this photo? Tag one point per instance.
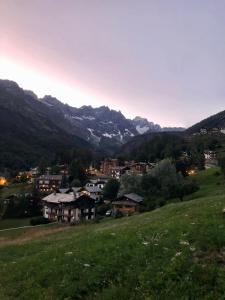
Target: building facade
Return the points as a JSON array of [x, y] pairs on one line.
[[67, 208]]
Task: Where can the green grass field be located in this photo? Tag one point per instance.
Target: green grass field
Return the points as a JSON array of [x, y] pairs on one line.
[[15, 188], [176, 252], [12, 223]]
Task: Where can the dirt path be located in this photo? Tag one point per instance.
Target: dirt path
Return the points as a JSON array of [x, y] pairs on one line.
[[30, 234]]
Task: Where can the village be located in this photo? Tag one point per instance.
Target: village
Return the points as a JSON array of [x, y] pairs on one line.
[[62, 201]]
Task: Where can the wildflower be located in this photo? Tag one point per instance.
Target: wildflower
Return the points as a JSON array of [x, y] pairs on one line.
[[145, 243], [68, 253], [185, 243], [178, 254], [86, 265], [192, 249]]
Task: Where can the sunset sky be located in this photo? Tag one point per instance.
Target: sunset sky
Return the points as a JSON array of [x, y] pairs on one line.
[[160, 59]]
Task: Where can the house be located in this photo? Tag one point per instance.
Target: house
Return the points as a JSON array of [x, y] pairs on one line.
[[92, 191], [49, 183], [95, 192], [100, 182], [117, 172], [210, 159], [34, 172], [140, 168], [68, 208], [92, 172], [107, 165], [127, 204]]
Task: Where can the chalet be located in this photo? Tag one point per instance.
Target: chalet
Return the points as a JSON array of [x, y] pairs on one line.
[[117, 172], [107, 165], [49, 183], [92, 172], [100, 182], [34, 172], [67, 208], [140, 168], [94, 192], [127, 204]]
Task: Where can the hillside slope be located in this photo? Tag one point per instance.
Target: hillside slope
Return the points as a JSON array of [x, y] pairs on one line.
[[214, 121], [29, 129], [176, 252]]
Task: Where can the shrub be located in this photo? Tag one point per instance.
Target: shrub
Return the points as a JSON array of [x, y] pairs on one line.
[[118, 214], [39, 221], [102, 209]]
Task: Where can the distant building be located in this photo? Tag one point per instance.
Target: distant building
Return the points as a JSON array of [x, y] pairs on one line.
[[117, 172], [107, 165], [92, 172], [140, 168], [210, 159], [127, 204], [92, 191], [49, 183], [203, 131], [100, 182], [68, 208], [95, 192]]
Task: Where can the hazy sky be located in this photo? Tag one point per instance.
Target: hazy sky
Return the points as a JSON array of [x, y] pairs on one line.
[[164, 60]]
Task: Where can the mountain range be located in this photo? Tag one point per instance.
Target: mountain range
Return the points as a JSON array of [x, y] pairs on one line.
[[99, 125], [33, 127]]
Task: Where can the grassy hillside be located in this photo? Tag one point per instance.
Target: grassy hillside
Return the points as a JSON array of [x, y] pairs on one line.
[[176, 252]]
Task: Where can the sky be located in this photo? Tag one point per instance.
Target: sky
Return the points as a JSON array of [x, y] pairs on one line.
[[159, 59]]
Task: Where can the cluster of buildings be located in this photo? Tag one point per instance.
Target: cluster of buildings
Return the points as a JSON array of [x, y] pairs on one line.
[[212, 131], [112, 168], [74, 204]]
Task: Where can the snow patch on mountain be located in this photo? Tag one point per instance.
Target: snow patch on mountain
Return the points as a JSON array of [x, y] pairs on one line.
[[88, 118], [109, 135], [77, 118], [142, 130], [127, 132]]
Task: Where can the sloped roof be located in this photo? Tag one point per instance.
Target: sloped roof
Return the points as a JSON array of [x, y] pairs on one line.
[[134, 197], [50, 177], [93, 189], [59, 198]]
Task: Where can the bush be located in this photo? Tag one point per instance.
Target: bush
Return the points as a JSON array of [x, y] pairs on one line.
[[102, 209], [39, 221], [118, 214]]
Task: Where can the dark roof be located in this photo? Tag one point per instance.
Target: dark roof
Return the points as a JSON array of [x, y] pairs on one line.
[[93, 189], [125, 202], [134, 197], [50, 177]]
